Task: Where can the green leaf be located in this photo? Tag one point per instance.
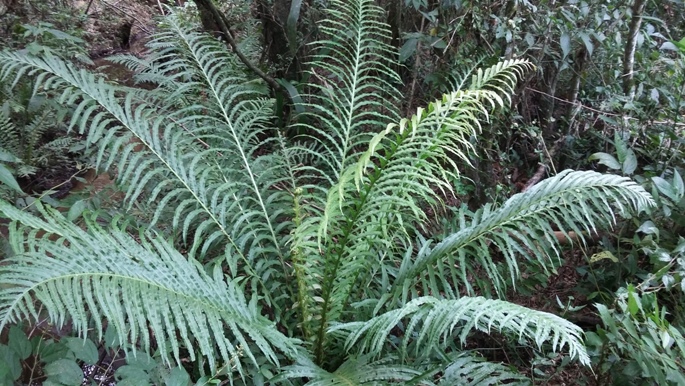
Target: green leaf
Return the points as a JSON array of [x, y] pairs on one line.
[[680, 44], [439, 44], [140, 360], [588, 43], [665, 188], [648, 228], [19, 342], [76, 209], [408, 49], [603, 255], [621, 147], [629, 162], [633, 306], [565, 43], [134, 375], [606, 159], [293, 94], [84, 350], [12, 364], [111, 338], [678, 184], [291, 25], [177, 377], [64, 371], [6, 156], [52, 351], [8, 179]]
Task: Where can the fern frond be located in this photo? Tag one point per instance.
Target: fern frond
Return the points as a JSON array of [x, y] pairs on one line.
[[9, 133], [354, 371], [354, 84], [430, 323], [193, 159], [143, 289], [467, 370], [523, 227], [501, 77]]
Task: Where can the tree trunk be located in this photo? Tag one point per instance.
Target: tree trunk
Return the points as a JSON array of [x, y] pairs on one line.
[[631, 45]]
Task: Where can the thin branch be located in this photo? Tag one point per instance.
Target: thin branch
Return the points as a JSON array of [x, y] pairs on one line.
[[666, 122], [223, 24]]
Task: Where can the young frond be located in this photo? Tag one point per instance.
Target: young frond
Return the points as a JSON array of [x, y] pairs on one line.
[[378, 204], [400, 175], [523, 227], [142, 289], [353, 84], [431, 323], [352, 94], [501, 77]]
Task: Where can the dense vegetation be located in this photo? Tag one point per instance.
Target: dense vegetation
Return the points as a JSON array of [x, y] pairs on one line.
[[344, 192]]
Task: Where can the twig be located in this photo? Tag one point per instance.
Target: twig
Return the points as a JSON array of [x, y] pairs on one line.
[[542, 169], [161, 9], [51, 190], [88, 7], [223, 24], [580, 105], [417, 61], [536, 177]]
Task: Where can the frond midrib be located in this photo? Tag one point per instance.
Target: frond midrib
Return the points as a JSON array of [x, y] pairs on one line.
[[243, 156]]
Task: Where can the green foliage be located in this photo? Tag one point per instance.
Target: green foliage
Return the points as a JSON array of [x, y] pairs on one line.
[[33, 134], [63, 362], [637, 343], [26, 121], [253, 251]]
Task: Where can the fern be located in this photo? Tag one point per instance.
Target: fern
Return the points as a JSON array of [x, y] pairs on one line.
[[359, 371], [320, 235]]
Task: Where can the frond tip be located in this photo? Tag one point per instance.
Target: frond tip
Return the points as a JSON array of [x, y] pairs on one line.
[[432, 323]]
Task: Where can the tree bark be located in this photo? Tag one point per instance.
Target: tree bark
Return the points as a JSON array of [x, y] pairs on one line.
[[629, 54]]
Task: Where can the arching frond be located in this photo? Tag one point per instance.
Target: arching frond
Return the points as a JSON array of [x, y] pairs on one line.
[[143, 289], [523, 228], [431, 323], [199, 157]]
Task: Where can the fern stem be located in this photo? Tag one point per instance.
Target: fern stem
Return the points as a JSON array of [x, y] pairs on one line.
[[300, 273], [331, 275]]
